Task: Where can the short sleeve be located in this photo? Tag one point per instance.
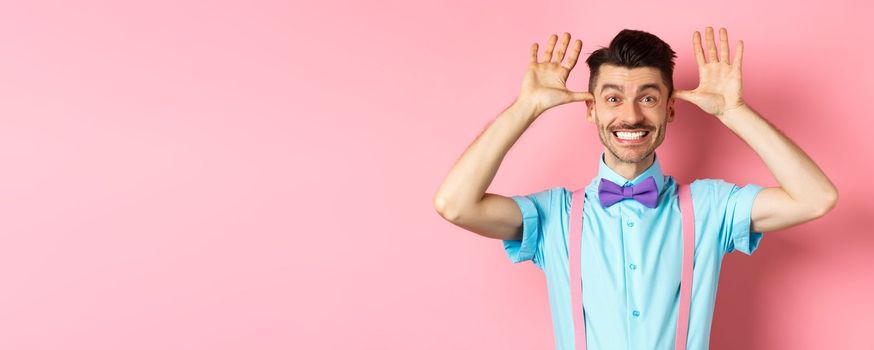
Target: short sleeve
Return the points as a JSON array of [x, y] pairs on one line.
[[736, 224], [534, 208]]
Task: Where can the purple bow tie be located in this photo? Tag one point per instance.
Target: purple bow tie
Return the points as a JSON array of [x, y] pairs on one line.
[[645, 192]]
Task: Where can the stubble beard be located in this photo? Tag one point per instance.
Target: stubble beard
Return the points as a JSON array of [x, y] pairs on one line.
[[630, 154]]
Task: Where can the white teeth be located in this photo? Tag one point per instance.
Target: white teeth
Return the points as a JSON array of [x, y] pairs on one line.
[[629, 135]]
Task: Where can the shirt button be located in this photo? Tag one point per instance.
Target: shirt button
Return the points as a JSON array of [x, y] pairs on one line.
[[630, 224], [636, 313], [632, 266]]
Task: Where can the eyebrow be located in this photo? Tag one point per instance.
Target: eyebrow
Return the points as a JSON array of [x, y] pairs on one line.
[[622, 89]]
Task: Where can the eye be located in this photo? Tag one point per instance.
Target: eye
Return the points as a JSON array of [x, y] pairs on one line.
[[648, 100], [612, 99]]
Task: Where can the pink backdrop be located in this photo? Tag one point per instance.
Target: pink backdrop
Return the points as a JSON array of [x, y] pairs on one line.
[[259, 174]]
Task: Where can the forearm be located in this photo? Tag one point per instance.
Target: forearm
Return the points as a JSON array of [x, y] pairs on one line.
[[473, 172], [797, 174]]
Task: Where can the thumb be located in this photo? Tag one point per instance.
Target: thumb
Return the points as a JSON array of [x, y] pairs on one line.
[[581, 96], [685, 95]]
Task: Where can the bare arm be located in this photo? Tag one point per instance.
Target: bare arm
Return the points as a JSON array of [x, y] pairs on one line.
[[462, 198], [805, 193]]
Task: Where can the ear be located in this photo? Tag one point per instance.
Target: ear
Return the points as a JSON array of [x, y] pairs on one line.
[[671, 109], [590, 114]]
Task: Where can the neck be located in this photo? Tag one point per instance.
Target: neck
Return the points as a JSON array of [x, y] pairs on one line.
[[629, 171]]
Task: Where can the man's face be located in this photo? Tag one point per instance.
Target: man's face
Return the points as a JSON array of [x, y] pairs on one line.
[[630, 100]]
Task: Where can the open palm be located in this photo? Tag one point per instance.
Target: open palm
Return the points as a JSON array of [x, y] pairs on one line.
[[545, 81], [719, 84]]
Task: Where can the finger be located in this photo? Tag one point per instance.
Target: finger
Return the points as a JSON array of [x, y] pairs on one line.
[[738, 56], [562, 47], [723, 45], [711, 45], [582, 96], [684, 95], [699, 51], [573, 55], [534, 53], [547, 56]]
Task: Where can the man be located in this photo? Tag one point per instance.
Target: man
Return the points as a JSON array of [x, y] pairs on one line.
[[632, 252]]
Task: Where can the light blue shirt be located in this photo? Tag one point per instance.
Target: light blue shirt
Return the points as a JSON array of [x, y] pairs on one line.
[[632, 258]]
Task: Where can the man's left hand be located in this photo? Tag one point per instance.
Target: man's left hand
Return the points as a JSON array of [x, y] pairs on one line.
[[719, 83]]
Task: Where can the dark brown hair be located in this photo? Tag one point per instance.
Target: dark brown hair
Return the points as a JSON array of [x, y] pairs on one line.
[[633, 49]]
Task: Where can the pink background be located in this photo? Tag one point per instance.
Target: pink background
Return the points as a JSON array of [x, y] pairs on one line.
[[260, 175]]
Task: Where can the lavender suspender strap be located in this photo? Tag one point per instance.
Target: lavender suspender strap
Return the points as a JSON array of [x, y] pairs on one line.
[[574, 264]]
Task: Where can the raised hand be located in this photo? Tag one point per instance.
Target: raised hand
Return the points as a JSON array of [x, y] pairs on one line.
[[544, 84], [719, 83]]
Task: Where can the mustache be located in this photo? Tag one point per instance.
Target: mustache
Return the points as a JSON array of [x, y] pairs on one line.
[[632, 127]]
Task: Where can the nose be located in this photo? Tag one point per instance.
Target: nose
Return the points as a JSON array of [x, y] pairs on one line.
[[631, 114]]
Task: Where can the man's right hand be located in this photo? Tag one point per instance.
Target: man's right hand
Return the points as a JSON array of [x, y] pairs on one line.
[[544, 84], [461, 198]]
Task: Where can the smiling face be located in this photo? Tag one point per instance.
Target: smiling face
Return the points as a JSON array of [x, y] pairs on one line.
[[634, 102]]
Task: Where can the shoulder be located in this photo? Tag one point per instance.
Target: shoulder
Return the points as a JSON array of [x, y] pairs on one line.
[[546, 195], [723, 198], [543, 200], [711, 188], [708, 184], [719, 188]]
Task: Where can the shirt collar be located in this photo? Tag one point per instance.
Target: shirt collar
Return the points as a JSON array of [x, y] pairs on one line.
[[654, 170]]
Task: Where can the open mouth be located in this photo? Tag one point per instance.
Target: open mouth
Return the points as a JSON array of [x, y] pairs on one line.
[[631, 137]]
